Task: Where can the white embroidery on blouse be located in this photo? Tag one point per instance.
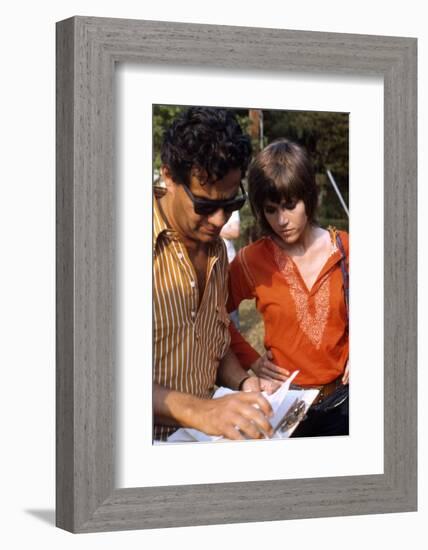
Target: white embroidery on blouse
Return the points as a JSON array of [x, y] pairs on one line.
[[313, 322]]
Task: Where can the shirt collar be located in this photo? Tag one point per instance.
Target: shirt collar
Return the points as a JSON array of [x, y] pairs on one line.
[[160, 228], [159, 224]]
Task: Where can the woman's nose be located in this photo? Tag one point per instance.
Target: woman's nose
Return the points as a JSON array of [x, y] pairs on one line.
[[283, 219]]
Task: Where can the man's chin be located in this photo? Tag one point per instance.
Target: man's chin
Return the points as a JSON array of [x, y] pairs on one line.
[[208, 236]]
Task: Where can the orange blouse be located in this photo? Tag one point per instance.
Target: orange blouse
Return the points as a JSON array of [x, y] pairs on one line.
[[305, 330]]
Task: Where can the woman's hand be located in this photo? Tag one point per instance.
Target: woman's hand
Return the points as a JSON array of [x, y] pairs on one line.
[[264, 368], [269, 386], [345, 377], [254, 383]]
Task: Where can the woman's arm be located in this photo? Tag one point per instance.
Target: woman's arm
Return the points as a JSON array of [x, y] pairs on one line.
[[245, 353], [241, 287]]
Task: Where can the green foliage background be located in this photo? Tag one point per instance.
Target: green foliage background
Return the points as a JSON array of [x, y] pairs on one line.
[[325, 136]]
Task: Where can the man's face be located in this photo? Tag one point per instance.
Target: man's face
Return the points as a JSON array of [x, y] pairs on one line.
[[196, 227]]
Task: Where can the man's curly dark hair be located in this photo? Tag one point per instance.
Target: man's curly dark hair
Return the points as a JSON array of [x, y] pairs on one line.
[[207, 139]]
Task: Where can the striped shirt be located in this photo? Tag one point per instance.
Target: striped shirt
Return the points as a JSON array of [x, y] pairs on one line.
[[188, 341]]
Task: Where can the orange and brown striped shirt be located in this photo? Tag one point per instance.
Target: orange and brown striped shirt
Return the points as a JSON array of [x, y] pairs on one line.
[[188, 342]]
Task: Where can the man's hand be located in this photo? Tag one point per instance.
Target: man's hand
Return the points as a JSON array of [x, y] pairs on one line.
[[238, 416], [264, 368]]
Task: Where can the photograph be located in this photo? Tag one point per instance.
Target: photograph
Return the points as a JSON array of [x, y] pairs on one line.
[[250, 273]]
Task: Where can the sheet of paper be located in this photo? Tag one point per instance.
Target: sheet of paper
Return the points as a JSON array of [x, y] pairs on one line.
[[280, 402]]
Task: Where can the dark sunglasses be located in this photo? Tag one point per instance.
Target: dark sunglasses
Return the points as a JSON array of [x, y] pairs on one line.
[[206, 207]]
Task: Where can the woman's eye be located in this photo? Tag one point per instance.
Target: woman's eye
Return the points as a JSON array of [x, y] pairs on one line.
[[290, 205], [269, 210]]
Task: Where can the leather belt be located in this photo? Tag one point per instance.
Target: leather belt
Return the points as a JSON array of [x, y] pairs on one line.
[[324, 389]]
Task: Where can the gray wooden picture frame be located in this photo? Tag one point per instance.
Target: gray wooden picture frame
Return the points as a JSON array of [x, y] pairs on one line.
[[87, 51]]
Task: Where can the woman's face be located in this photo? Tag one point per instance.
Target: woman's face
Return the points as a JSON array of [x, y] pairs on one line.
[[288, 220]]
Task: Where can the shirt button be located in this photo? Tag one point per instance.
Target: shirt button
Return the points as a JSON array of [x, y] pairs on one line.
[[192, 313], [180, 256], [192, 284]]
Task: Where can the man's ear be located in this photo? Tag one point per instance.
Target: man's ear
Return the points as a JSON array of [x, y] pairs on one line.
[[200, 174], [167, 178]]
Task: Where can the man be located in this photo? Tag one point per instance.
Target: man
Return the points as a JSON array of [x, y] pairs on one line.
[[204, 157]]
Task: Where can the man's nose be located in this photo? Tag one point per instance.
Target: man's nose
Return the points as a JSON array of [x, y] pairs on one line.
[[218, 218]]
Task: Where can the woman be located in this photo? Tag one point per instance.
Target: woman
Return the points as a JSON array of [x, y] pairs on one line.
[[297, 273]]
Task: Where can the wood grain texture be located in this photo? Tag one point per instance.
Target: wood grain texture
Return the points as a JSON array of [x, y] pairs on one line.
[[87, 49], [64, 278]]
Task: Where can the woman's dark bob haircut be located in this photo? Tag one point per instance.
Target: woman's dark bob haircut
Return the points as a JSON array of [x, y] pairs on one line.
[[281, 172], [207, 139]]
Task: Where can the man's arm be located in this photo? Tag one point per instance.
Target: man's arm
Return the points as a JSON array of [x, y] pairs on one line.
[[233, 376], [171, 407], [233, 416]]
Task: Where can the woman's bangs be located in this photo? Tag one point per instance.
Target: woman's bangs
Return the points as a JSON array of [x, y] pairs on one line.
[[280, 191]]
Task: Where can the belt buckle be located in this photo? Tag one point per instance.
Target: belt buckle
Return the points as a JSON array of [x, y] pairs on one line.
[[321, 396]]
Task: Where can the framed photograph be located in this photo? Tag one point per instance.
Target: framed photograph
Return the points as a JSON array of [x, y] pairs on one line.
[[101, 65]]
